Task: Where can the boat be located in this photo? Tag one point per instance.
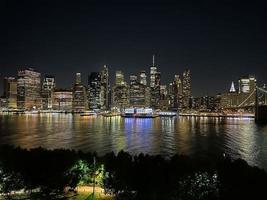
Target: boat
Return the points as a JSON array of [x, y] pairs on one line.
[[88, 113], [167, 114], [139, 113]]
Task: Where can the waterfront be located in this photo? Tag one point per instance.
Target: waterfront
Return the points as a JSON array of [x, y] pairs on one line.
[[195, 136]]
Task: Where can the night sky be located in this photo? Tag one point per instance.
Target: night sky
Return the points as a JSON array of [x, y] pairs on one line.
[[218, 40]]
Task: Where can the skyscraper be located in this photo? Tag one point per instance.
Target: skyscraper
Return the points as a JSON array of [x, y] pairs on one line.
[[155, 91], [164, 98], [10, 92], [28, 89], [177, 93], [48, 86], [120, 92], [136, 92], [79, 95], [247, 84], [78, 78], [247, 87], [186, 88], [232, 89], [119, 78], [94, 90], [154, 85], [62, 99], [133, 79], [105, 89], [153, 71], [143, 78]]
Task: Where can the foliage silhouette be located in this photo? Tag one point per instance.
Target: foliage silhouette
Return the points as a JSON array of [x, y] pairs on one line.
[[50, 172]]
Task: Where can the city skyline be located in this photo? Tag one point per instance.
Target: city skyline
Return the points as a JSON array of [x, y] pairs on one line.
[[28, 90], [127, 78], [217, 41]]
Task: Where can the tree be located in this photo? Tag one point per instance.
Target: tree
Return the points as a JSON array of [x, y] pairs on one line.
[[10, 181]]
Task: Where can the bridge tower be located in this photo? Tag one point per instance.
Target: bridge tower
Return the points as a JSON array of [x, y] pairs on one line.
[[260, 106]]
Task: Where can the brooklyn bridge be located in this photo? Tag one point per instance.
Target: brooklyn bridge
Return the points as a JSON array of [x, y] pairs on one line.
[[254, 102]]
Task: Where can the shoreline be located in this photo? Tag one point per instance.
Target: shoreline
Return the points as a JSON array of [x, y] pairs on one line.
[[209, 115]]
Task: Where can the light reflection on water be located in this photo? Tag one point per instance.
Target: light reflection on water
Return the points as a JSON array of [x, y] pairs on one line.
[[205, 137]]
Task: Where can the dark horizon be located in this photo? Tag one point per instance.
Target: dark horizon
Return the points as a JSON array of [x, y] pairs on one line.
[[218, 41]]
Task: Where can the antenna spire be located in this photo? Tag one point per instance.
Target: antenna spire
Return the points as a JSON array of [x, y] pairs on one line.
[[153, 60], [232, 89]]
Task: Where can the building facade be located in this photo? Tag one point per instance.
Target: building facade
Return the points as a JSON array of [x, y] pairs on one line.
[[62, 100], [176, 93], [94, 91], [105, 89], [137, 92], [10, 92], [29, 89], [120, 92], [48, 86], [186, 84], [79, 95]]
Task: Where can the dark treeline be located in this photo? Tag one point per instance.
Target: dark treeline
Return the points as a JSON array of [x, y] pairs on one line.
[[125, 176]]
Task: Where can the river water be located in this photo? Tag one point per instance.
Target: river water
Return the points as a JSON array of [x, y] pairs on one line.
[[194, 136]]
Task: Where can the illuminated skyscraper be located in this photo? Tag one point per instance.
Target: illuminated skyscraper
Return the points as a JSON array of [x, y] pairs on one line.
[[78, 78], [186, 88], [136, 93], [62, 99], [246, 92], [47, 88], [164, 98], [245, 95], [10, 92], [232, 89], [143, 78], [119, 78], [155, 91], [94, 90], [28, 89], [133, 80], [154, 85], [247, 84], [177, 89], [120, 92], [79, 95], [105, 89], [153, 71]]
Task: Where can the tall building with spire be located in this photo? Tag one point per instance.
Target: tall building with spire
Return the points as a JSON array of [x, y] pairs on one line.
[[155, 81], [232, 89], [153, 71]]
